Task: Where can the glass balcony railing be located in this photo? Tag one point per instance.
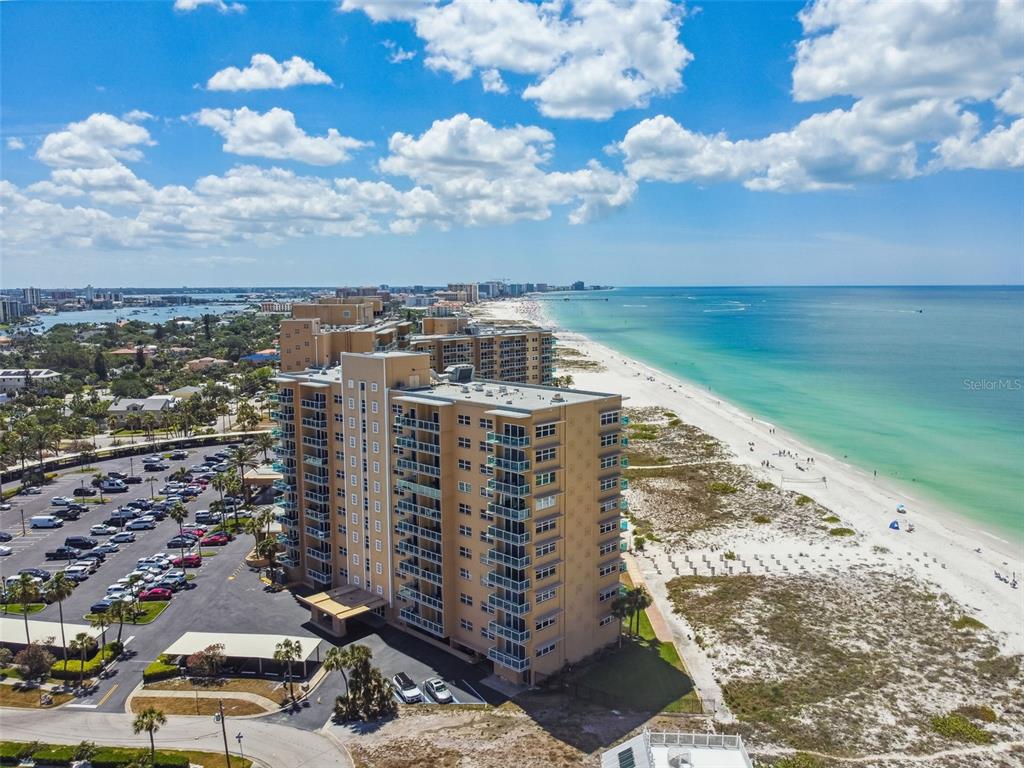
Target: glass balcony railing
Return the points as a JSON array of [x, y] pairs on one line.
[[418, 467], [412, 508], [509, 537], [508, 606], [516, 491], [507, 464], [316, 554], [496, 556], [321, 577], [495, 579], [406, 547], [404, 526], [411, 569], [409, 421], [410, 616], [509, 632], [513, 441], [411, 487], [431, 601], [316, 405], [512, 662], [417, 445], [509, 512]]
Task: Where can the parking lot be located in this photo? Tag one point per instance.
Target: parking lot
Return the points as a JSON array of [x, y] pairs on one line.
[[224, 596]]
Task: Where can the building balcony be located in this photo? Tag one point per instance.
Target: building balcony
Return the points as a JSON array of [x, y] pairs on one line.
[[315, 423], [419, 467], [315, 442], [509, 633], [431, 601], [321, 577], [288, 518], [403, 526], [508, 465], [316, 554], [319, 498], [315, 461], [316, 405], [417, 445], [508, 489], [411, 569], [508, 606], [516, 513], [412, 508], [410, 616], [323, 534], [283, 487], [319, 480], [411, 487], [512, 441], [406, 547], [495, 579], [512, 662], [496, 556], [509, 537], [409, 421], [288, 506], [317, 515]]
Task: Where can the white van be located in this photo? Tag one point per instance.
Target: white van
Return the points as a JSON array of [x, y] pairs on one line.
[[112, 485], [46, 521]]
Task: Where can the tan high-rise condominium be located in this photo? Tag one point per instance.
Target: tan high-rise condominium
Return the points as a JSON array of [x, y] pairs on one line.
[[479, 514]]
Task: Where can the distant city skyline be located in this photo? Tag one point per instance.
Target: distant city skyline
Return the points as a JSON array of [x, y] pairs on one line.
[[638, 143]]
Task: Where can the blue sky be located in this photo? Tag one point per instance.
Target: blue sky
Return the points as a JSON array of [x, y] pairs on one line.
[[725, 143]]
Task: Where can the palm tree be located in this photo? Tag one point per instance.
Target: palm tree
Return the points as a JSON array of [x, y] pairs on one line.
[[81, 644], [133, 422], [57, 590], [101, 621], [340, 659], [179, 514], [149, 423], [267, 548], [264, 441], [286, 652], [639, 600], [150, 719], [118, 612], [621, 610], [243, 460], [25, 592]]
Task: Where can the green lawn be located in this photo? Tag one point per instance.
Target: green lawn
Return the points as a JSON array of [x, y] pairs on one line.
[[644, 675], [147, 612], [15, 608]]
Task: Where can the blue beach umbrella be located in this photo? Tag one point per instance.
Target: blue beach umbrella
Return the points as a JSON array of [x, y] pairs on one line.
[[895, 525]]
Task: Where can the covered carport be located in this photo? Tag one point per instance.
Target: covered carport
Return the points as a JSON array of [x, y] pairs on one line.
[[12, 632], [332, 609], [247, 649]]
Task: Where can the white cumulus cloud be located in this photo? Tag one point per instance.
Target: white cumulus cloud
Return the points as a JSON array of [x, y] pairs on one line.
[[98, 141], [14, 143], [187, 6], [397, 53], [265, 72], [274, 134], [590, 58]]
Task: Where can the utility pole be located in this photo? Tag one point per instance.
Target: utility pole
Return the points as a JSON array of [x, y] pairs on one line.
[[224, 731]]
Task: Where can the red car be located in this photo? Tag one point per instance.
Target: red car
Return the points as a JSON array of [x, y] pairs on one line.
[[196, 530], [189, 561], [156, 593], [215, 540]]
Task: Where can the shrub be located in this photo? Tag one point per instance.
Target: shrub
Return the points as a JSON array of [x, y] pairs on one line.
[[730, 555], [639, 542], [801, 500], [764, 485], [831, 519], [977, 712], [72, 669], [113, 757], [762, 519], [721, 488], [54, 754], [799, 760], [161, 669], [5, 657], [959, 728], [643, 432], [842, 532], [968, 622]]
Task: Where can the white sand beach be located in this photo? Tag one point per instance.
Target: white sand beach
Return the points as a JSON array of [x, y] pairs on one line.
[[952, 554]]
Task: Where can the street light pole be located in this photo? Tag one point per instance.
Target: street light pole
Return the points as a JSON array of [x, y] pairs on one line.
[[224, 731], [22, 510]]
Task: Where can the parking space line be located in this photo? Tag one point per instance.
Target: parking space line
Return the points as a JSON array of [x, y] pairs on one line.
[[481, 698]]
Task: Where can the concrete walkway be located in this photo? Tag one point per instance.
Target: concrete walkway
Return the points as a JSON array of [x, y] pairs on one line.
[[268, 745]]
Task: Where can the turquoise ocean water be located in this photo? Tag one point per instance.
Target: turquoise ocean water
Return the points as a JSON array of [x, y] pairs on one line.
[[923, 384]]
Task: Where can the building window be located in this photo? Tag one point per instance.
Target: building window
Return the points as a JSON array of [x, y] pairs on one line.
[[545, 572], [466, 624], [465, 487], [608, 527], [465, 574], [465, 599], [607, 483], [351, 400], [545, 502], [544, 430], [376, 447], [466, 464], [608, 462], [545, 549], [544, 478], [355, 580], [607, 568], [375, 427], [377, 545], [486, 423], [543, 526], [464, 420], [466, 552], [380, 590], [376, 486], [355, 559], [544, 650], [376, 524], [374, 407], [546, 454], [380, 568], [355, 537], [545, 595], [606, 621], [609, 417], [373, 386], [612, 438], [545, 623], [351, 384]]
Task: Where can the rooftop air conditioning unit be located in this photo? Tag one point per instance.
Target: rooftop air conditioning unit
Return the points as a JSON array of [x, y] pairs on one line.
[[558, 397]]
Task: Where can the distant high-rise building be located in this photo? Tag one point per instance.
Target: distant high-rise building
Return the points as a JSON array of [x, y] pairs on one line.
[[32, 296], [10, 309], [578, 285], [90, 293]]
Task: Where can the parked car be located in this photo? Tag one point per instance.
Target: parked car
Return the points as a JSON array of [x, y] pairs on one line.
[[5, 505], [102, 529], [84, 491], [5, 550], [90, 566], [157, 562], [39, 573], [122, 515], [406, 688], [145, 576], [92, 554], [5, 536], [179, 542], [124, 537], [45, 521], [112, 485], [60, 501], [207, 517], [215, 540], [143, 504], [104, 605], [63, 553], [133, 480], [65, 513], [155, 467], [173, 583], [80, 542], [156, 593], [116, 475], [107, 549], [32, 490], [79, 508], [192, 560], [77, 572], [141, 525], [438, 690], [180, 454]]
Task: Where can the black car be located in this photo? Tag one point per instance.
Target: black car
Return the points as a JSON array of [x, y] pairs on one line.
[[117, 475], [5, 536], [145, 504], [79, 508], [84, 491], [179, 455], [80, 542], [154, 467], [39, 573], [99, 557], [63, 553], [180, 541], [64, 513], [133, 480]]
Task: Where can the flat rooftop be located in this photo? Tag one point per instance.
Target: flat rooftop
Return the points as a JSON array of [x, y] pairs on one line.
[[510, 396], [668, 750], [246, 646], [12, 630]]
